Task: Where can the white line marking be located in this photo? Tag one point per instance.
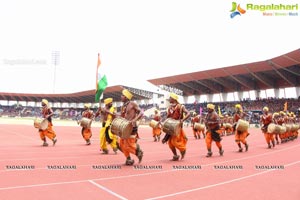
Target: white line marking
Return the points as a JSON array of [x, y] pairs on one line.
[[218, 184], [107, 190], [41, 185]]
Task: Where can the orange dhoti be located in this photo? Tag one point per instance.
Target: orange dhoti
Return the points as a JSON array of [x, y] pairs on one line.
[[269, 137], [86, 133], [178, 141], [128, 146], [49, 132], [156, 131], [209, 139], [241, 136]]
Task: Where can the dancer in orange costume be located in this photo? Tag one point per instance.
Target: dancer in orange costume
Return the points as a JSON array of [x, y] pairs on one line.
[[197, 133], [266, 120], [176, 111], [86, 132], [228, 127], [240, 136], [47, 113], [276, 120], [131, 112], [213, 133], [294, 131], [282, 121]]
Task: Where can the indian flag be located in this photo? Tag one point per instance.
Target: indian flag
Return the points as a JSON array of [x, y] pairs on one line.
[[101, 82]]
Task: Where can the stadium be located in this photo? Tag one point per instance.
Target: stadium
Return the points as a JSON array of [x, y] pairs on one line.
[[71, 168]]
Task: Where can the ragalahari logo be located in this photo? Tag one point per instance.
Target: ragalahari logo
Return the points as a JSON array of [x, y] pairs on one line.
[[236, 10]]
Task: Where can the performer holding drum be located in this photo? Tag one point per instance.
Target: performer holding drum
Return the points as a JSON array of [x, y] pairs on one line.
[[156, 126], [276, 122], [228, 121], [197, 126], [294, 126], [213, 133], [282, 122], [48, 132], [87, 118], [175, 135], [266, 120], [240, 127], [108, 113], [130, 114]]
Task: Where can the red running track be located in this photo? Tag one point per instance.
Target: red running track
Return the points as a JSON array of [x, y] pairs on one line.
[[194, 177]]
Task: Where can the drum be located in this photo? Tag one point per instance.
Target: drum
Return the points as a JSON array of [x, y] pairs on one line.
[[40, 123], [242, 125], [274, 128], [171, 126], [153, 123], [288, 127], [199, 127], [227, 125], [121, 127], [294, 127], [282, 129], [85, 122]]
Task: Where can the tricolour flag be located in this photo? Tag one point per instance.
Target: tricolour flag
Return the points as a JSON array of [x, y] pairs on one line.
[[101, 82]]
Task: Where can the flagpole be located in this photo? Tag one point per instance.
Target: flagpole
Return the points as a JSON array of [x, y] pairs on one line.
[[55, 62], [97, 68]]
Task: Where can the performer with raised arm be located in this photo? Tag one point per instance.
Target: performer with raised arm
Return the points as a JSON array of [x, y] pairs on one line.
[[266, 120], [131, 112], [240, 135], [47, 113], [86, 131], [108, 113], [213, 133], [176, 111]]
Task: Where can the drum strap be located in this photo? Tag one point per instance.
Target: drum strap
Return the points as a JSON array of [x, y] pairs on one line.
[[166, 138], [215, 135]]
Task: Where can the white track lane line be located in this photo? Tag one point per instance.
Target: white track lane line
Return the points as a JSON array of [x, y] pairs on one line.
[[218, 184], [107, 190]]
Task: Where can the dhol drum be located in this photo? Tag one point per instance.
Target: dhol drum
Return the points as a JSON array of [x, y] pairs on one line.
[[274, 128], [199, 127], [282, 129], [242, 125], [171, 126], [294, 127], [85, 122], [227, 125], [153, 123], [40, 123], [121, 127], [288, 127]]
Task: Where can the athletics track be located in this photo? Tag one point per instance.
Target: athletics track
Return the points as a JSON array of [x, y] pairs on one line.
[[194, 177]]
